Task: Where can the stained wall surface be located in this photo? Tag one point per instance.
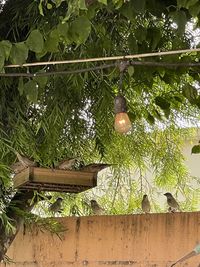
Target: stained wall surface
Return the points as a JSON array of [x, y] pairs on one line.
[[155, 240]]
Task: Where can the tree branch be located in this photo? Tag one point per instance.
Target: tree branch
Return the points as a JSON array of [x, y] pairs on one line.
[[78, 71], [21, 201]]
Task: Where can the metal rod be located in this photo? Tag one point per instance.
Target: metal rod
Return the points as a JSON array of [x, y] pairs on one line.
[[73, 61]]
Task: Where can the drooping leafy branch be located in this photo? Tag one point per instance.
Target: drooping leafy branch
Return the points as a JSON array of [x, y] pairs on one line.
[[54, 117]]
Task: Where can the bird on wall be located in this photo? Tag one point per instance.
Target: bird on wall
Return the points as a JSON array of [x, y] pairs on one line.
[[96, 209], [26, 162], [146, 207], [171, 201], [95, 167], [56, 206], [67, 164]]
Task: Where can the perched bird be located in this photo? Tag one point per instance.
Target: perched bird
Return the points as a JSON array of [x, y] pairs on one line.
[[96, 209], [17, 167], [95, 167], [26, 162], [171, 201], [146, 204], [56, 206], [67, 164]]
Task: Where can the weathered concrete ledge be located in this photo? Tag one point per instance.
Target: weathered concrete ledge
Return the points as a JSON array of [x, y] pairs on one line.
[[155, 240]]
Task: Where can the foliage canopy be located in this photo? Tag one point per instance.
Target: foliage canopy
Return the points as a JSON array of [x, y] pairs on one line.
[[60, 116]]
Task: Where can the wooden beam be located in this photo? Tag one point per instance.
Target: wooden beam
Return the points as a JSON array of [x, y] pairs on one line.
[[44, 179], [22, 177], [42, 175]]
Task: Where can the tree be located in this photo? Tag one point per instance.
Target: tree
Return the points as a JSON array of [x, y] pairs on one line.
[[50, 117]]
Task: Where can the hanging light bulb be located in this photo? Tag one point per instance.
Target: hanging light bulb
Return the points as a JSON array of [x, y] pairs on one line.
[[122, 121]]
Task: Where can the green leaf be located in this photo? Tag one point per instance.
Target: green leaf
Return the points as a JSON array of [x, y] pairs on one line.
[[2, 60], [128, 11], [117, 3], [180, 19], [92, 11], [130, 71], [178, 99], [161, 72], [21, 86], [162, 103], [103, 2], [63, 29], [72, 8], [181, 3], [80, 29], [132, 116], [132, 44], [82, 5], [41, 80], [49, 6], [35, 41], [191, 3], [40, 7], [31, 91], [51, 44], [155, 37], [194, 10], [58, 2], [197, 101], [190, 93], [140, 34], [157, 115], [55, 34], [196, 149], [6, 45], [167, 113], [139, 5], [150, 119], [2, 57], [42, 54], [19, 53]]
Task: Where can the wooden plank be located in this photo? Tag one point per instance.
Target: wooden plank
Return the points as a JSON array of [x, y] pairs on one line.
[[21, 178], [38, 185], [94, 180], [43, 175], [43, 179], [57, 189]]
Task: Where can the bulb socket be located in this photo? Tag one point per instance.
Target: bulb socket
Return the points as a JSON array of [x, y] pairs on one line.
[[120, 104]]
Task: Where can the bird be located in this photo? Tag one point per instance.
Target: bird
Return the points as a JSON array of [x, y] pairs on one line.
[[145, 204], [96, 209], [171, 201], [56, 206], [95, 167], [26, 162], [67, 164], [17, 167]]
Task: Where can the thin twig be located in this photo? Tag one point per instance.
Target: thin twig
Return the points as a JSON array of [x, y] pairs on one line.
[[164, 64], [51, 73], [115, 192], [73, 61]]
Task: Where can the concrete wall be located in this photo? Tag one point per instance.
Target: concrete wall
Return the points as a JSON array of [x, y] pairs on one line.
[[155, 240]]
